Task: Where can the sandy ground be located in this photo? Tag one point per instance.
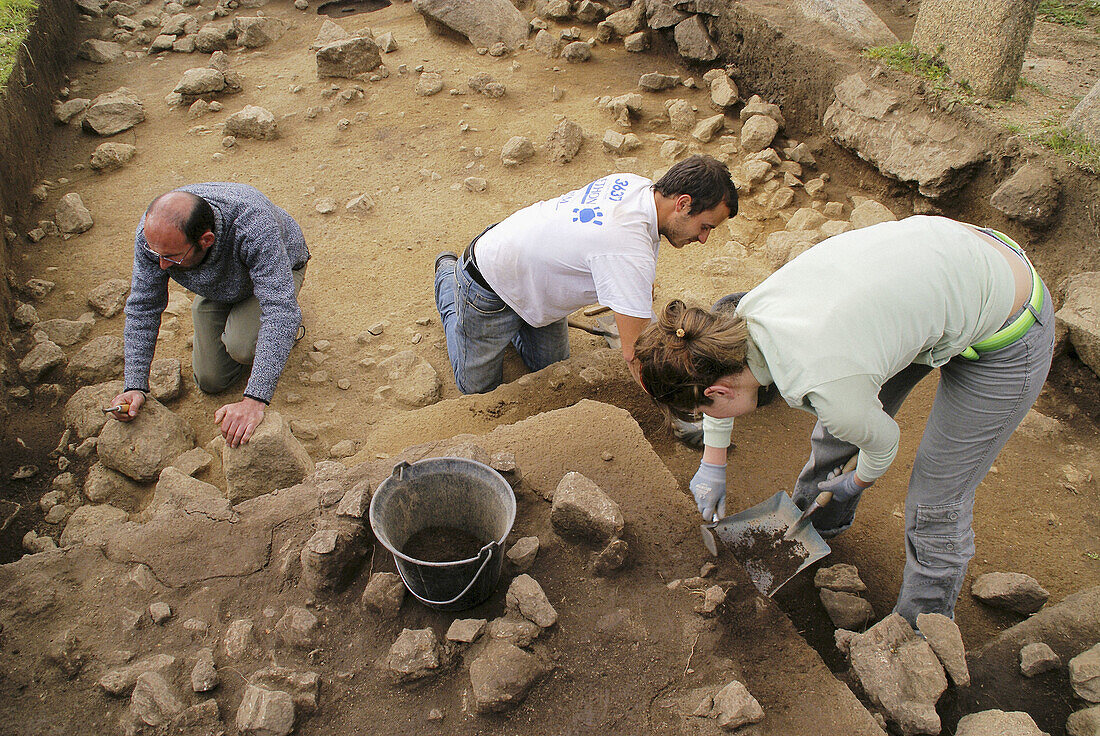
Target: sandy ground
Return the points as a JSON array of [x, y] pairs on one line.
[[377, 268]]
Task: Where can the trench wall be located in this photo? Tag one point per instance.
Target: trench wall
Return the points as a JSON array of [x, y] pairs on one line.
[[26, 106]]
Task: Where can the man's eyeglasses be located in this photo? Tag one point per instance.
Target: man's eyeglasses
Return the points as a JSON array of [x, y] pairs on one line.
[[175, 261]]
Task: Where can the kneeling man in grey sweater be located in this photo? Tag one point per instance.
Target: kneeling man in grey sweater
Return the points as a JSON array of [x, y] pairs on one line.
[[245, 260]]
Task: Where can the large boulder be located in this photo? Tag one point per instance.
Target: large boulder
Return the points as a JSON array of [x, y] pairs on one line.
[[526, 597], [42, 358], [1029, 196], [415, 655], [200, 81], [109, 156], [1085, 118], [692, 40], [109, 298], [83, 412], [1081, 315], [177, 491], [101, 359], [147, 444], [901, 139], [272, 459], [564, 141], [99, 52], [946, 641], [65, 332], [264, 712], [900, 674], [1084, 674], [483, 22], [852, 20], [414, 380], [348, 58], [113, 112], [89, 523]]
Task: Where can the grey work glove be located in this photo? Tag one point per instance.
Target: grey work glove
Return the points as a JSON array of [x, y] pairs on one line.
[[708, 486], [843, 487]]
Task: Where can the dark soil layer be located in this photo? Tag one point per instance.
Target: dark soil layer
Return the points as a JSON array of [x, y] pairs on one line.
[[442, 544], [769, 558]]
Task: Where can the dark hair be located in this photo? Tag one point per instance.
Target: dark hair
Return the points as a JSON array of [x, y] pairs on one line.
[[197, 221], [685, 352], [705, 179]]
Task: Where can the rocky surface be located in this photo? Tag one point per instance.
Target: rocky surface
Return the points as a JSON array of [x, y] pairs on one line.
[[1012, 591], [582, 510], [144, 446], [272, 459]]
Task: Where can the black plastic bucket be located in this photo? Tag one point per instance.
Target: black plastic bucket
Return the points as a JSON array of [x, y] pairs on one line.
[[445, 492]]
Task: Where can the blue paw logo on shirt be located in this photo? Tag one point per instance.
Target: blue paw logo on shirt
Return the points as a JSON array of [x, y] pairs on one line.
[[585, 215]]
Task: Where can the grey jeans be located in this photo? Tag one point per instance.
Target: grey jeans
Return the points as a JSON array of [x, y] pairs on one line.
[[978, 404], [225, 338]]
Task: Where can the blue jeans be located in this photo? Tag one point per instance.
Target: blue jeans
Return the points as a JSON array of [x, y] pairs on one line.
[[479, 327], [978, 405]]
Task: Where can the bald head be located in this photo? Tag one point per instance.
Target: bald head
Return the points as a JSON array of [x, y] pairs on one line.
[[182, 212]]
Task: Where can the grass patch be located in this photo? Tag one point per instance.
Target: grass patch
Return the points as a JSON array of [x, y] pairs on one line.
[[905, 57], [1071, 146], [1056, 11], [16, 17], [1027, 83]]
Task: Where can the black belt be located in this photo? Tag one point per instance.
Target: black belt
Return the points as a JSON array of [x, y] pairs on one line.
[[469, 261]]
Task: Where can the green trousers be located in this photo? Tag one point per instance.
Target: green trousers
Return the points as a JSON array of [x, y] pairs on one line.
[[225, 338]]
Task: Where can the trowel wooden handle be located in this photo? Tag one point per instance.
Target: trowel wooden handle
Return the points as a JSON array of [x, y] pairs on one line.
[[823, 498]]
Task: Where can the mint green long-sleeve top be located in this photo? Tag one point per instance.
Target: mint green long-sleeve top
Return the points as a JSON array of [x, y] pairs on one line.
[[830, 327]]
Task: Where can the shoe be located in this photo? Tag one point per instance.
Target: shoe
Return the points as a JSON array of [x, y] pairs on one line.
[[444, 257], [300, 334]]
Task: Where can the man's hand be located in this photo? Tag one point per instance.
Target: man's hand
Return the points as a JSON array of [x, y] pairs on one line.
[[134, 398], [238, 421], [629, 329]]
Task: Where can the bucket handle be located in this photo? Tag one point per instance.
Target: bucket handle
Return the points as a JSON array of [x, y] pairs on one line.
[[399, 470], [487, 551]]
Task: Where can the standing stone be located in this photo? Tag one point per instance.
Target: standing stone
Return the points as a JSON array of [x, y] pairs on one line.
[[502, 676], [1012, 591], [900, 674], [564, 142], [1081, 315], [144, 446], [265, 712], [348, 58], [946, 641], [1030, 196], [900, 139], [272, 459], [581, 509], [693, 41], [72, 216], [113, 112], [483, 22], [998, 723], [1084, 674], [110, 156], [1085, 118], [982, 41], [850, 19], [101, 359], [252, 122]]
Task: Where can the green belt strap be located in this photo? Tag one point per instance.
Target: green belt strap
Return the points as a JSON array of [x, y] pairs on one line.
[[1019, 327]]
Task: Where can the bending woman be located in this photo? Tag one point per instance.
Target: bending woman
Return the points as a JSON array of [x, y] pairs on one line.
[[845, 331]]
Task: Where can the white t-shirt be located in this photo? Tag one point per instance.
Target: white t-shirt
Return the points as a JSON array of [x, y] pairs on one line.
[[597, 244]]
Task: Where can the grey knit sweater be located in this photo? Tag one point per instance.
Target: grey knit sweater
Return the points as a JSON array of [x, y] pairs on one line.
[[256, 244]]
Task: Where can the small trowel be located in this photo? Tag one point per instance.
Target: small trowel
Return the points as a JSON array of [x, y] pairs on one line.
[[707, 531], [822, 499]]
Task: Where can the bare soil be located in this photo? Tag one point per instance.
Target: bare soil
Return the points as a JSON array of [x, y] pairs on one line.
[[377, 268]]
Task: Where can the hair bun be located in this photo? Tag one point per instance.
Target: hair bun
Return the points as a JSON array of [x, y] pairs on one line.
[[680, 332]]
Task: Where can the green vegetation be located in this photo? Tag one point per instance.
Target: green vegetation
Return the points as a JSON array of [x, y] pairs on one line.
[[905, 57], [16, 17], [1041, 89], [1056, 11], [1071, 145]]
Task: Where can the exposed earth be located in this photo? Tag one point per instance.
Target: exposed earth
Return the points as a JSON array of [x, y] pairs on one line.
[[630, 655]]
